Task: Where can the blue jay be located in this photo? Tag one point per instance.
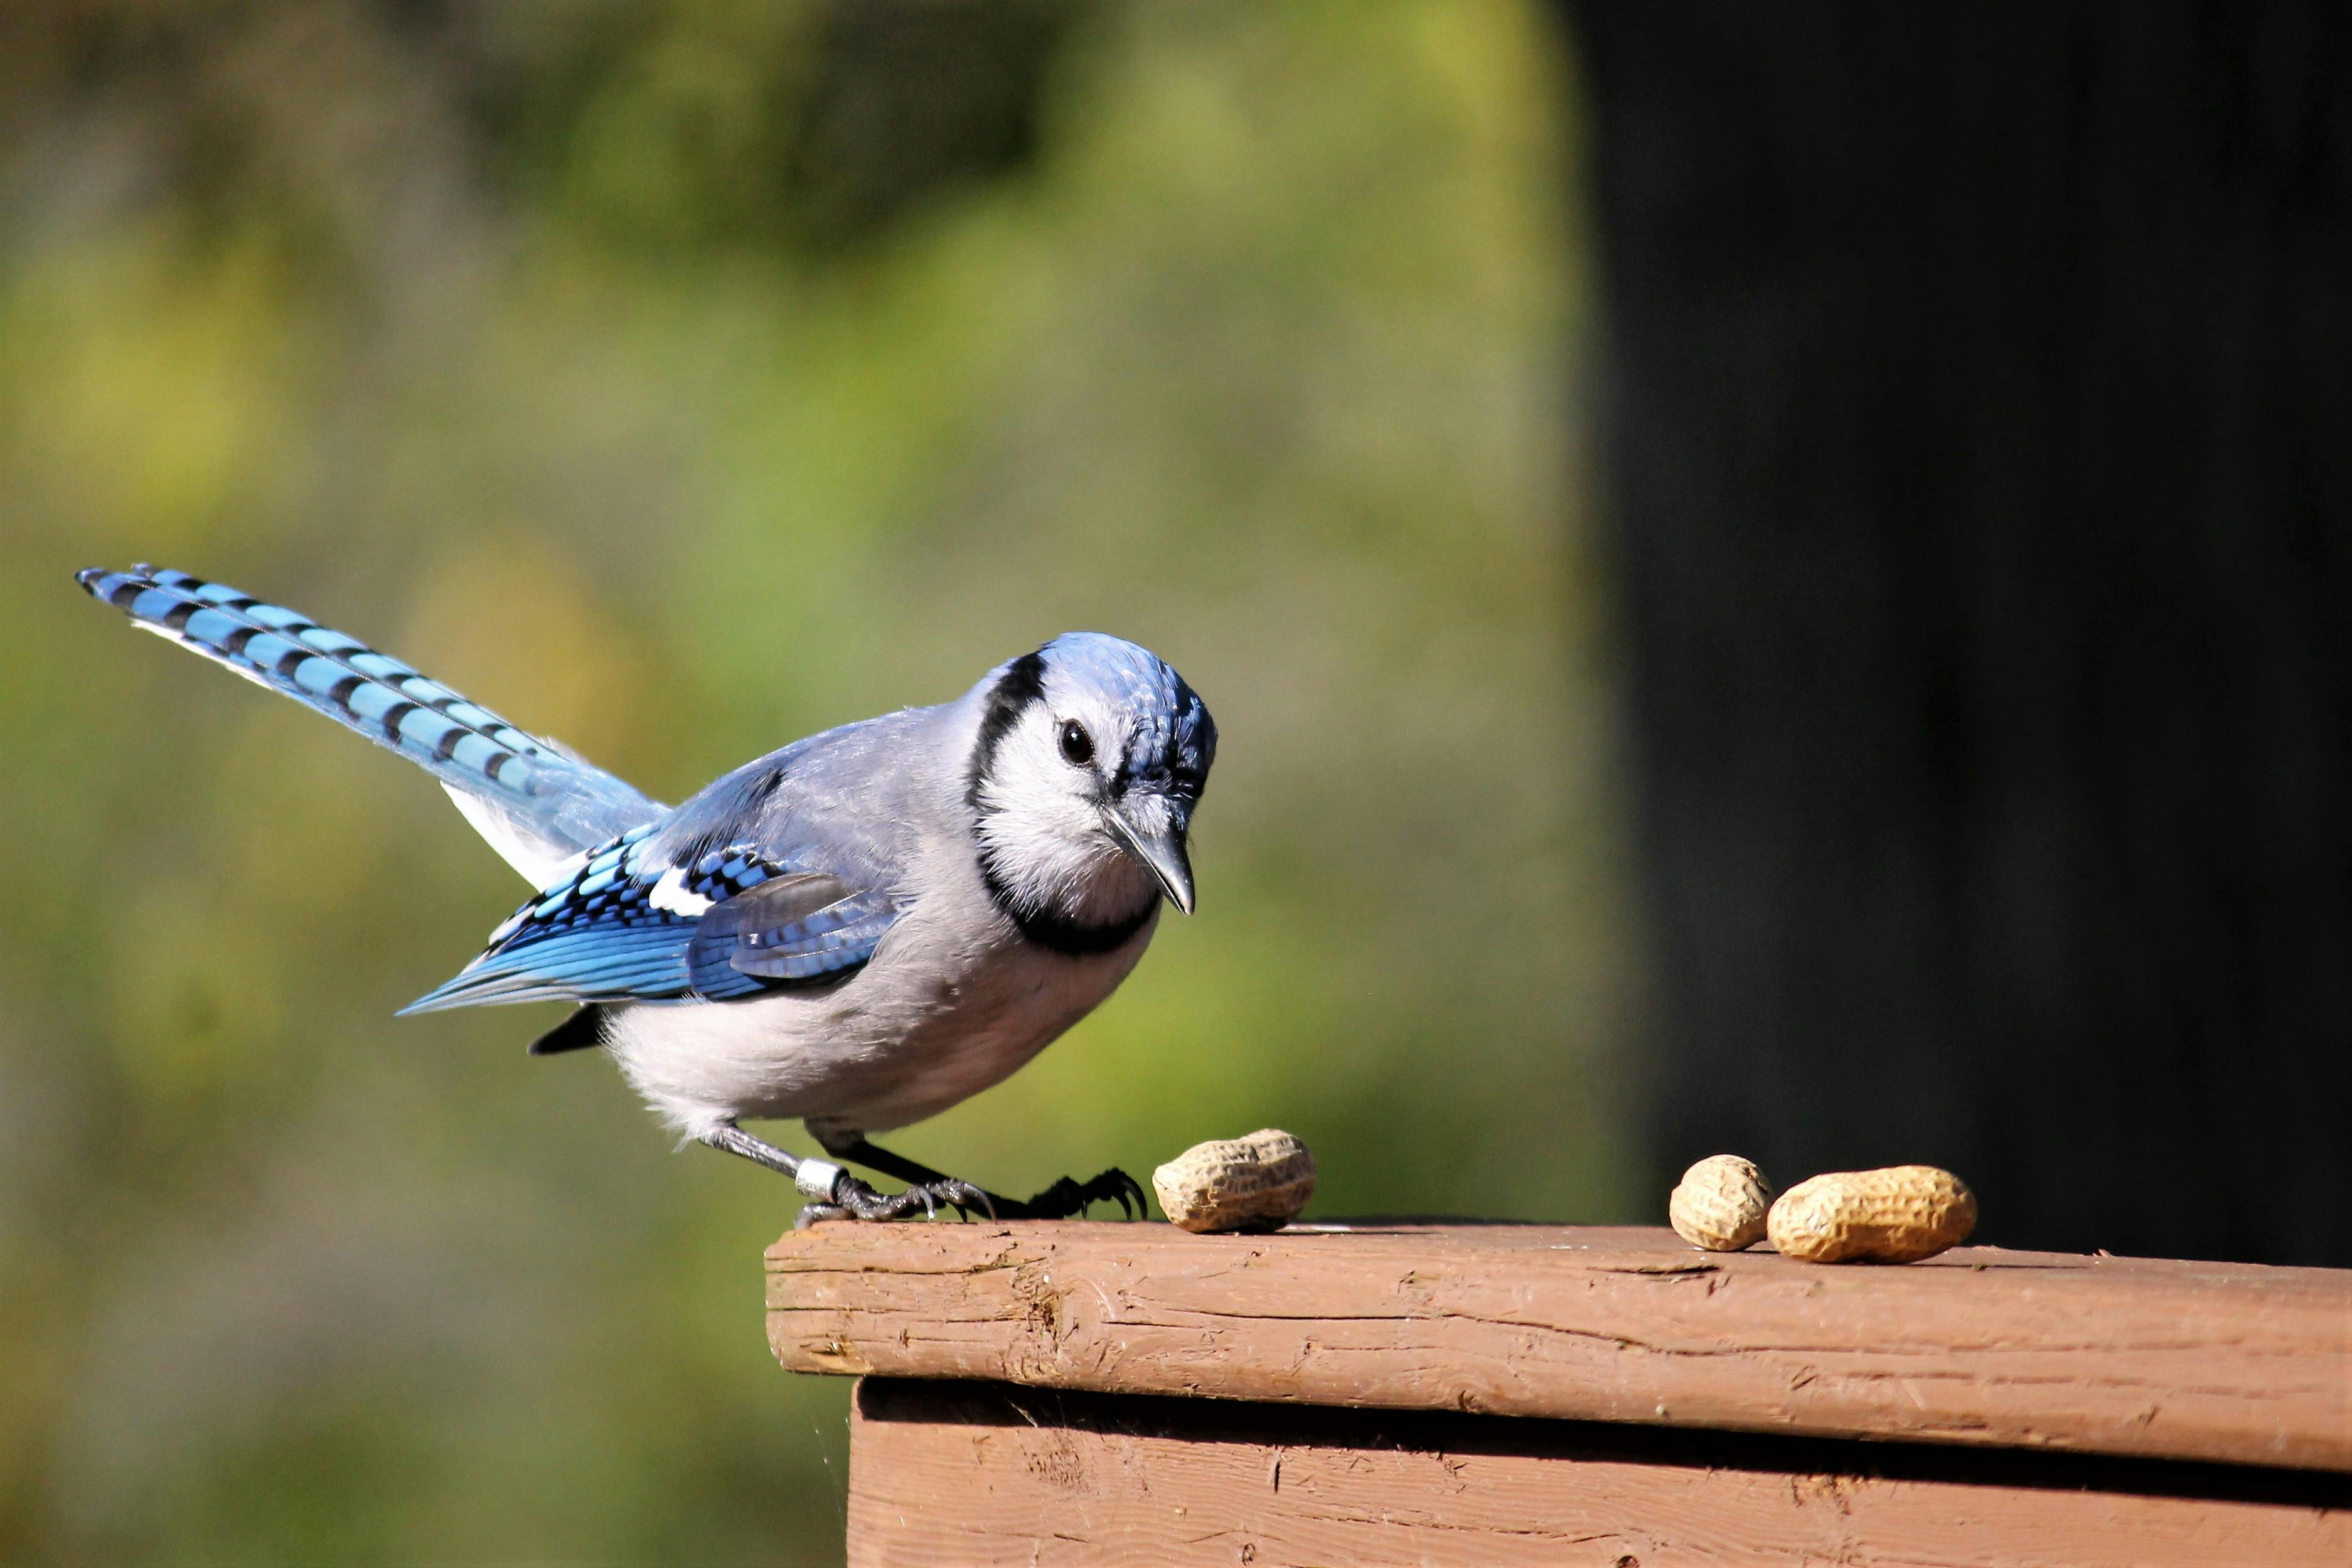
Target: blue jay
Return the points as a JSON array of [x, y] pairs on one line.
[[859, 930]]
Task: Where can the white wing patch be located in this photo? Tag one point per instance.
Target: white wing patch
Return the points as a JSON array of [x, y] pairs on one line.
[[670, 895]]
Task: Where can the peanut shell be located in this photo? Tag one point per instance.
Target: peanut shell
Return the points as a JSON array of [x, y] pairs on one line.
[[1253, 1183], [1720, 1203], [1897, 1215]]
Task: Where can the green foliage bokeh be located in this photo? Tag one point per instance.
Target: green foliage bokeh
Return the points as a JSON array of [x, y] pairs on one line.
[[567, 352]]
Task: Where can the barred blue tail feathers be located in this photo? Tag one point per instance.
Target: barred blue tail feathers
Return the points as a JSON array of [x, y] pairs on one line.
[[536, 803]]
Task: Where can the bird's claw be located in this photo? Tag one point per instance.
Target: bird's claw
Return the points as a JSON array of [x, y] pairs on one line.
[[854, 1200], [1066, 1198]]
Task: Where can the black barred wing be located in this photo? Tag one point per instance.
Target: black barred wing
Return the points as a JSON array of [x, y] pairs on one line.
[[629, 927]]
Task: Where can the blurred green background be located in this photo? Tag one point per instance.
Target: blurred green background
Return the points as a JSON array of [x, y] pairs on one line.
[[681, 380]]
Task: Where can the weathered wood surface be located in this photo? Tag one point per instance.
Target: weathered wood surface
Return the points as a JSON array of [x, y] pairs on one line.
[[2128, 1356], [966, 1475]]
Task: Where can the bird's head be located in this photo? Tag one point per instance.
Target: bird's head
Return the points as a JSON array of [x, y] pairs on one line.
[[1091, 756]]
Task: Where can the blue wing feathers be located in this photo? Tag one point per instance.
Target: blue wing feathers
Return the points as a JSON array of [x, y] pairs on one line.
[[836, 938], [601, 936], [595, 964]]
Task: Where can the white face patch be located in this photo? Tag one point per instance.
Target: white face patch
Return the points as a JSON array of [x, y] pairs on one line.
[[1042, 823], [670, 895]]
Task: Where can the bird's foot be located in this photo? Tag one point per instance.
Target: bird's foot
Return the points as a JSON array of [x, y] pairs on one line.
[[852, 1199], [1066, 1198]]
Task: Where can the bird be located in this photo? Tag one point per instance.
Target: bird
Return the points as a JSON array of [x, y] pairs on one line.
[[858, 930]]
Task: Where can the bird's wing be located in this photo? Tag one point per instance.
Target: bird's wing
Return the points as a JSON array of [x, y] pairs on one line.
[[628, 928], [772, 876]]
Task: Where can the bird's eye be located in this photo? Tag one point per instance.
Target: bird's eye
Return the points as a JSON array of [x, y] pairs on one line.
[[1077, 745]]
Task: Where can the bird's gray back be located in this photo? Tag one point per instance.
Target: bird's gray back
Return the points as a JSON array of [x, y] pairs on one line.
[[853, 801]]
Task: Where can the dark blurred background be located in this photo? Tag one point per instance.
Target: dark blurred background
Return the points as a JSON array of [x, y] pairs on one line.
[[1979, 442], [1772, 582]]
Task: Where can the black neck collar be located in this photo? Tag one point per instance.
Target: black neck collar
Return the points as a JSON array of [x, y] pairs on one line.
[[1060, 933]]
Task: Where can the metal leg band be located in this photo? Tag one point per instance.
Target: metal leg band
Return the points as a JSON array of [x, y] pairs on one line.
[[819, 1178]]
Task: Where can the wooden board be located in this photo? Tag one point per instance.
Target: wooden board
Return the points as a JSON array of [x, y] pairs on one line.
[[954, 1474], [2128, 1357]]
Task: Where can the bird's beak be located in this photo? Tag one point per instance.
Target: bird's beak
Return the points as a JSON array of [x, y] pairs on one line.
[[1160, 848]]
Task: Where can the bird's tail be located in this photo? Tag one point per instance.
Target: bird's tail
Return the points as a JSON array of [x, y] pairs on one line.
[[536, 802]]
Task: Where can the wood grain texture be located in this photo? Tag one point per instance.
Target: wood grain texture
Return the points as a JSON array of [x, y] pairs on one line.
[[2128, 1356], [976, 1474]]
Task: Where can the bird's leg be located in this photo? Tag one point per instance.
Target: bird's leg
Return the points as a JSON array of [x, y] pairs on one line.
[[727, 1135], [839, 1195], [965, 1197], [1059, 1201]]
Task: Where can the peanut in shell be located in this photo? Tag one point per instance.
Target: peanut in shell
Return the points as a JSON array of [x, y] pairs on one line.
[[1720, 1204], [1896, 1215], [1253, 1183]]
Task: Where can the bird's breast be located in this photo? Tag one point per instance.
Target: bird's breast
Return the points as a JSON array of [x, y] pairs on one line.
[[933, 1019]]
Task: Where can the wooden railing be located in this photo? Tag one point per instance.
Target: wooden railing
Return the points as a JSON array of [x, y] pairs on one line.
[[1537, 1394]]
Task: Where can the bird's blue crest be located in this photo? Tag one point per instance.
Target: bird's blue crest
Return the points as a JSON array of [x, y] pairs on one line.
[[1173, 740]]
